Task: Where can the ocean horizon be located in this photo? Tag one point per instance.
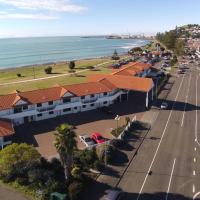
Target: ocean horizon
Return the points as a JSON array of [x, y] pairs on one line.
[[18, 52]]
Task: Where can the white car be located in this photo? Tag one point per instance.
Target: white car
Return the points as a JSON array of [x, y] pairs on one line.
[[86, 140], [164, 105], [114, 195]]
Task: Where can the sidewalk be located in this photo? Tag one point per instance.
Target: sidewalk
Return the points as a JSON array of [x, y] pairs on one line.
[[9, 194]]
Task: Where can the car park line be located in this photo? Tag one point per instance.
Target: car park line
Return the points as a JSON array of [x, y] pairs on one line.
[[164, 131]]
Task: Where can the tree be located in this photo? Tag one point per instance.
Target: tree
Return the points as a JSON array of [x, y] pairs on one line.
[[65, 144], [179, 47], [115, 55], [15, 154], [72, 65], [48, 70]]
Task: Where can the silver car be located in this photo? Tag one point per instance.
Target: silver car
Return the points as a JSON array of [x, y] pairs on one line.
[[164, 105], [86, 140], [114, 195]]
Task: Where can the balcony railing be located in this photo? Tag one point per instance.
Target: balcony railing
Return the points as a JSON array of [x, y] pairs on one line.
[[92, 100], [46, 109]]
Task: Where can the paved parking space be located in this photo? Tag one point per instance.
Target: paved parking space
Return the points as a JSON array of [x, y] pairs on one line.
[[40, 134]]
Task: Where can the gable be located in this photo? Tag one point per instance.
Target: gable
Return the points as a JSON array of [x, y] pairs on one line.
[[67, 94], [20, 102]]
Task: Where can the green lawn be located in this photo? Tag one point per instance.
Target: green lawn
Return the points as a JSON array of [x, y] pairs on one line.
[[60, 68], [64, 80]]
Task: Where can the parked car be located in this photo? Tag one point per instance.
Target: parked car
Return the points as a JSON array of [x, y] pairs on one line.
[[114, 195], [86, 140], [97, 137], [164, 105]]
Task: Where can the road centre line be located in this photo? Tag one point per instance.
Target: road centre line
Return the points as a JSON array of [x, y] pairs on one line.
[[194, 160], [195, 148], [194, 173], [193, 188], [170, 180], [196, 121], [160, 139], [186, 100]]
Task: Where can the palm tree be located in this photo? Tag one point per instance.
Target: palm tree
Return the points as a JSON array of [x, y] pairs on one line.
[[65, 144]]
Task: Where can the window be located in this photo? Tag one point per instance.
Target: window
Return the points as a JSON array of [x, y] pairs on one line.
[[39, 115], [84, 106], [25, 107], [75, 108], [17, 109], [67, 100], [105, 102], [39, 104], [105, 93], [66, 109], [92, 104], [92, 95], [83, 97], [50, 102], [51, 112]]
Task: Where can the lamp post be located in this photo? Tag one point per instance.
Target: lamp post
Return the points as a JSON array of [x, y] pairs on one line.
[[117, 118]]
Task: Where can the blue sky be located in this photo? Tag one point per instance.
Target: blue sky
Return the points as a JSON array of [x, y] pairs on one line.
[[90, 17]]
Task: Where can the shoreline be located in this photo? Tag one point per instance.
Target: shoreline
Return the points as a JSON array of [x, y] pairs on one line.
[[64, 61]]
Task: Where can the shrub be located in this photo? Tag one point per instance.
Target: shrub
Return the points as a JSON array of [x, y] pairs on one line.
[[75, 189], [98, 165], [115, 55], [48, 70], [15, 154], [88, 157], [19, 75], [72, 65], [76, 172], [116, 132]]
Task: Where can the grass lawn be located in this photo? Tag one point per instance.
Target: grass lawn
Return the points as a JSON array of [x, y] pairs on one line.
[[7, 75], [64, 80]]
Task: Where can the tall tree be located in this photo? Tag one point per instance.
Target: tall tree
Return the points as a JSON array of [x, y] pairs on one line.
[[115, 55], [65, 144], [72, 65]]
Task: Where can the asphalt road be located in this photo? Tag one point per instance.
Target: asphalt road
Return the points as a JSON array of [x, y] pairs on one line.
[[173, 155]]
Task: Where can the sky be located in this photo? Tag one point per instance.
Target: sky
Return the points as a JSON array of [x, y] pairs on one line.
[[25, 18]]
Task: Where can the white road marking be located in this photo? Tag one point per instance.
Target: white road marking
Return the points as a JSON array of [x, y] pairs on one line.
[[193, 188], [196, 195], [186, 100], [160, 139], [194, 160], [196, 122], [194, 172], [170, 180], [195, 148]]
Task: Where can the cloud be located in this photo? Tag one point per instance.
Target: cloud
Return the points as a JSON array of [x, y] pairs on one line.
[[5, 15], [50, 5]]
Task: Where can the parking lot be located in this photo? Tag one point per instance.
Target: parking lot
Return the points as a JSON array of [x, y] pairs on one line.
[[40, 133]]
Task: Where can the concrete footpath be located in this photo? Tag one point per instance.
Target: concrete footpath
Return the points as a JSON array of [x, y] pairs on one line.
[[9, 194]]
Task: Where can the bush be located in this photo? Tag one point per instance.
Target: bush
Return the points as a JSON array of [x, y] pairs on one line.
[[88, 157], [98, 165], [115, 55], [19, 75], [111, 152], [76, 173], [71, 65], [116, 132], [48, 70], [74, 190]]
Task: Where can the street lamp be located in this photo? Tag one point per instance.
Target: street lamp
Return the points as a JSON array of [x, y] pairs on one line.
[[117, 118]]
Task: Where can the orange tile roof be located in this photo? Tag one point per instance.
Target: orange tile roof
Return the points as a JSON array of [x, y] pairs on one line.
[[6, 128], [130, 82], [84, 89]]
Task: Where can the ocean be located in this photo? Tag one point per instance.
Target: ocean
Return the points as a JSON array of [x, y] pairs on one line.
[[17, 52]]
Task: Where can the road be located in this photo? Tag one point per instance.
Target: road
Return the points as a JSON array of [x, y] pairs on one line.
[[173, 155]]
